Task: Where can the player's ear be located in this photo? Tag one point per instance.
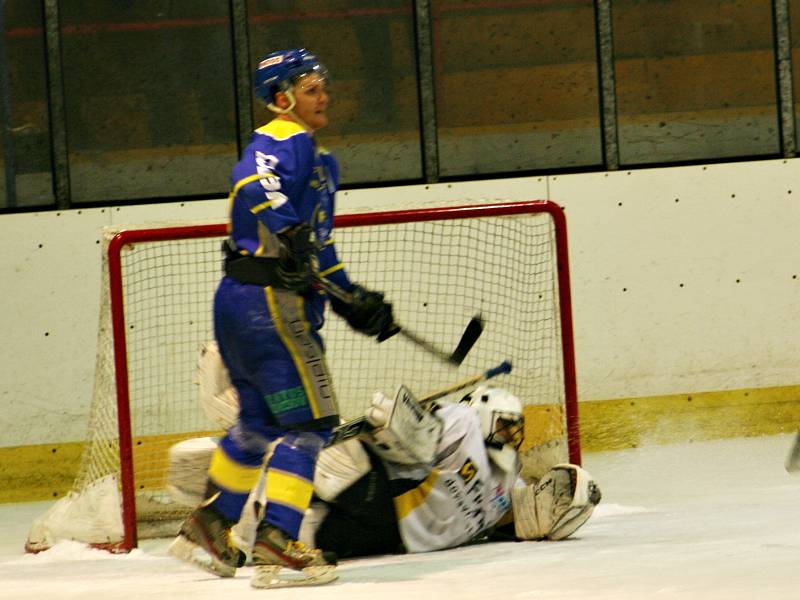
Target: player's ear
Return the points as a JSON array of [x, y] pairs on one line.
[[282, 100]]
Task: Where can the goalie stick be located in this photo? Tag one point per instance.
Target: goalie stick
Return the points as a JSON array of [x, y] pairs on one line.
[[468, 338], [360, 426]]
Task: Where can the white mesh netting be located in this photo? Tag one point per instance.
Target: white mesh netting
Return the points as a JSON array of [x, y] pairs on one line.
[[437, 274]]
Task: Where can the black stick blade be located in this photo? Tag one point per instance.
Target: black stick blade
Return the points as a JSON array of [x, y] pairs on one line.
[[471, 335]]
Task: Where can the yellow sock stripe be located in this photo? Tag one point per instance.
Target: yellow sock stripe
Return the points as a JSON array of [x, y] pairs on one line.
[[288, 489], [230, 475], [405, 503], [287, 340]]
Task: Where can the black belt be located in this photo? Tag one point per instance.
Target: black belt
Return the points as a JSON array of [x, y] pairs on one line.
[[256, 270]]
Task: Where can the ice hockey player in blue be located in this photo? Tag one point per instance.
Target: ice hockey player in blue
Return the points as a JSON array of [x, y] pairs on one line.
[[268, 310]]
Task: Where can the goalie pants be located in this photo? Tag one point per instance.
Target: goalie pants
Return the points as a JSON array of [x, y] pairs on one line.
[[361, 520], [277, 365]]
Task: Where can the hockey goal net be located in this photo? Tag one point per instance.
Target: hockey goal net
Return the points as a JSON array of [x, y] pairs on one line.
[[438, 267]]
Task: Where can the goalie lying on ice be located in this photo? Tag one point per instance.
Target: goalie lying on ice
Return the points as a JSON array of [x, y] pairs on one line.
[[397, 490]]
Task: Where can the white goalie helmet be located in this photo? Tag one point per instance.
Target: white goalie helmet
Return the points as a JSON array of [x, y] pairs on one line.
[[502, 423]]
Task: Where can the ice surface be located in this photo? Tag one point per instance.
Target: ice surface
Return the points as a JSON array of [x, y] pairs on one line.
[[708, 520]]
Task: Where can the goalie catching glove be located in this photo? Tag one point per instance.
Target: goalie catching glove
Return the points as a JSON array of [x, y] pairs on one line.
[[367, 313], [556, 506]]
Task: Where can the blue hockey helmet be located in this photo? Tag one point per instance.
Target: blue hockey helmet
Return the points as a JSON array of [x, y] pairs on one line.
[[278, 70]]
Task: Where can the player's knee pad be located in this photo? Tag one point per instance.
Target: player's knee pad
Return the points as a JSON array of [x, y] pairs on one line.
[[556, 506], [308, 443], [244, 438]]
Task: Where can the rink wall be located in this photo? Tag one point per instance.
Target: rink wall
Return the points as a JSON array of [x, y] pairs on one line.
[[686, 305]]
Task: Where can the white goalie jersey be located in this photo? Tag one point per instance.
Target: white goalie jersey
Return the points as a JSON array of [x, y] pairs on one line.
[[464, 495]]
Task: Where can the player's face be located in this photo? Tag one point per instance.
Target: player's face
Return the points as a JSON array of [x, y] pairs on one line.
[[311, 95], [510, 431]]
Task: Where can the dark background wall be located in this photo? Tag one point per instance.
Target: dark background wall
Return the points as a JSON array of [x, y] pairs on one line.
[[124, 101]]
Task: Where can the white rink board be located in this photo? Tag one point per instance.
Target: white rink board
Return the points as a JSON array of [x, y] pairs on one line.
[[684, 279]]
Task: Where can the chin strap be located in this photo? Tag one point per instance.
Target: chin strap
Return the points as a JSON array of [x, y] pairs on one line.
[[284, 111], [289, 111]]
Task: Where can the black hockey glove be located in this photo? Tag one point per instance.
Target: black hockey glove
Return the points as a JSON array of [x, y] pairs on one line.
[[368, 313], [294, 261]]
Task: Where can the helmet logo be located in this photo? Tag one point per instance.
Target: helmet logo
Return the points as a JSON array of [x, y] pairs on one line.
[[267, 62]]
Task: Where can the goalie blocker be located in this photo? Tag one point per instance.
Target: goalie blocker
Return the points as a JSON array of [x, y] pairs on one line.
[[403, 432]]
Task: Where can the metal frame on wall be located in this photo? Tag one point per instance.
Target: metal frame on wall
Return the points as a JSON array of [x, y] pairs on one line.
[[242, 72], [784, 79], [429, 135], [607, 77], [56, 105], [5, 116]]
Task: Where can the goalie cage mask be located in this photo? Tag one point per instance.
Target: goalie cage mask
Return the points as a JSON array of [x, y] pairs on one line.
[[502, 424]]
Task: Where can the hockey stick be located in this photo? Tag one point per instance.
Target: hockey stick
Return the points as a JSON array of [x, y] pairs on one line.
[[503, 367], [465, 344], [360, 426], [793, 460]]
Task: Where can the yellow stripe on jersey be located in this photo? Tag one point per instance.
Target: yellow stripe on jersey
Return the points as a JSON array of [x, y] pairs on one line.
[[243, 182], [230, 475], [405, 503], [333, 269], [232, 197], [290, 345], [288, 489], [259, 207]]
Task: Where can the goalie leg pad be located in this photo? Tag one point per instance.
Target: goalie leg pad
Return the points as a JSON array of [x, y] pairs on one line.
[[312, 521], [339, 467], [217, 396], [555, 507], [188, 467]]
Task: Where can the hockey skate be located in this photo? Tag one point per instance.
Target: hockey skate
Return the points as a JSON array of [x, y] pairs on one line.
[[204, 541], [274, 550]]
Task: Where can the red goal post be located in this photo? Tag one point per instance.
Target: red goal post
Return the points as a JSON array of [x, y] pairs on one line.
[[438, 266]]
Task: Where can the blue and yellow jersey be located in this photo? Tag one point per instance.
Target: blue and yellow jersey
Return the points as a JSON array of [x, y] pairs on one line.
[[282, 180]]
